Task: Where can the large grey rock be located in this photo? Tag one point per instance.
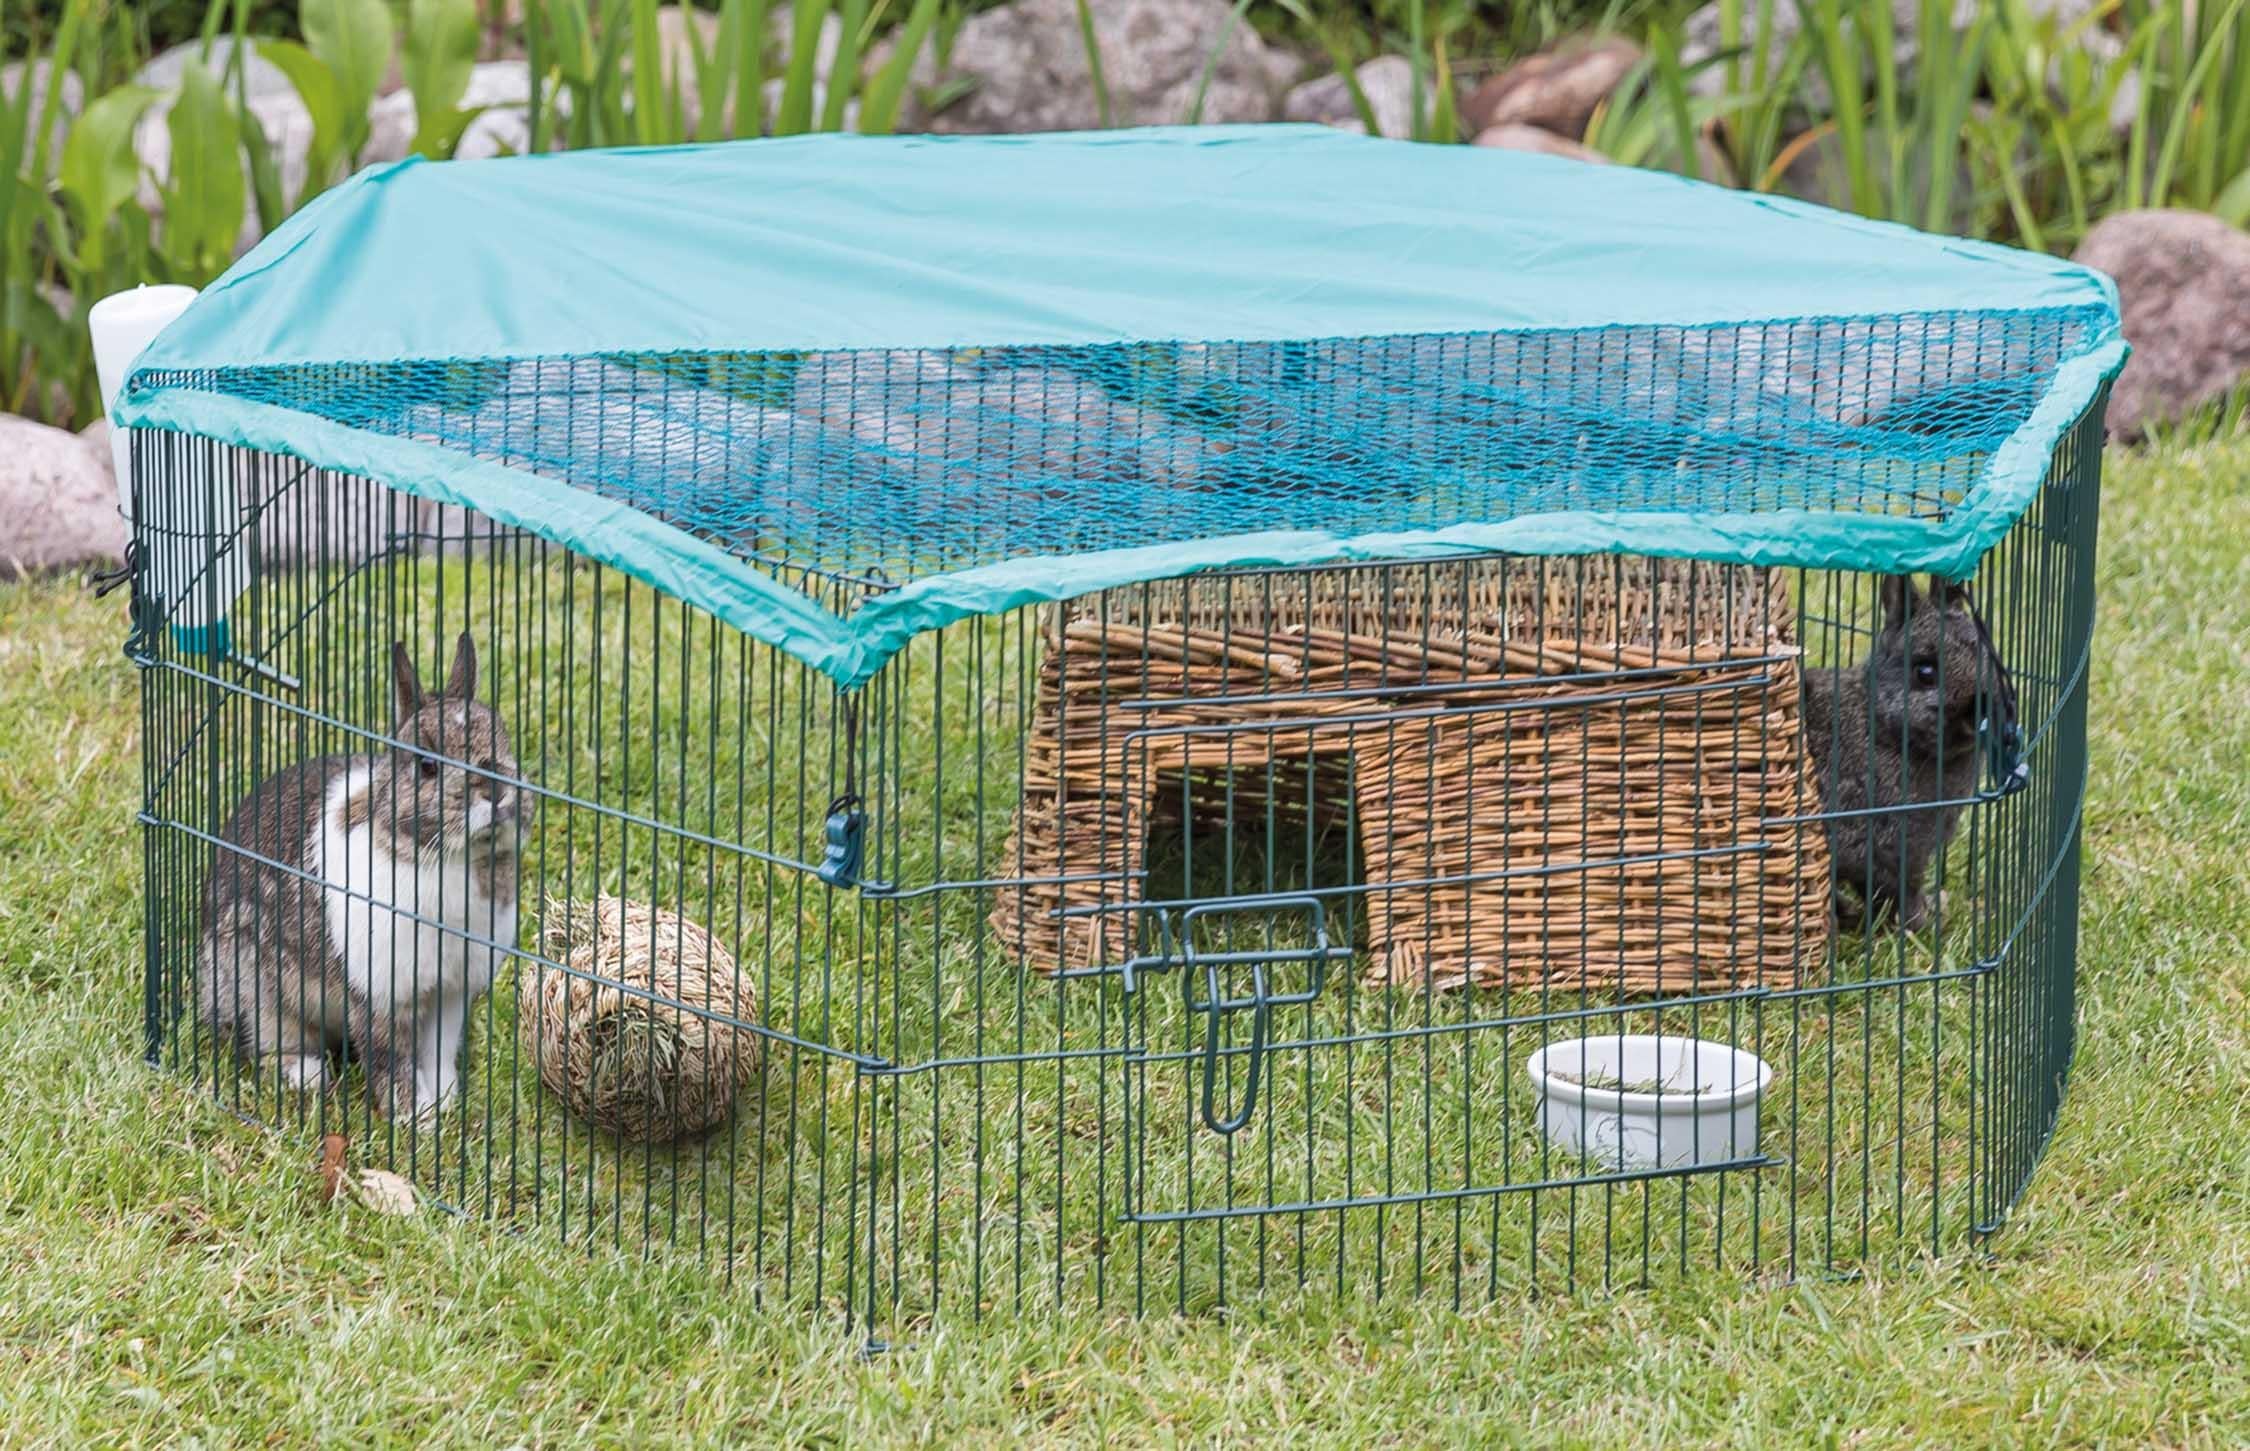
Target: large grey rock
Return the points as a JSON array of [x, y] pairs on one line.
[[261, 77], [2184, 280], [1514, 136], [69, 100], [390, 128], [1555, 90], [502, 89], [501, 131], [1386, 81], [499, 90], [1026, 62], [58, 503]]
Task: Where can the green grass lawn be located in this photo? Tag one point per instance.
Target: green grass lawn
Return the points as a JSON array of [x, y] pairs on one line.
[[168, 1274]]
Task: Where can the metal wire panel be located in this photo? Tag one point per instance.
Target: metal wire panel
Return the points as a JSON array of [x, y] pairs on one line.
[[1222, 1100]]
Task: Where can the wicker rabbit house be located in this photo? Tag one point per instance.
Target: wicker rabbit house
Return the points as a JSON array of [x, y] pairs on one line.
[[1105, 746]]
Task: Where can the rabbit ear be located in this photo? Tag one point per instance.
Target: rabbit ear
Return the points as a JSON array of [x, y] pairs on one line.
[[1897, 593], [461, 681], [1949, 593], [405, 684]]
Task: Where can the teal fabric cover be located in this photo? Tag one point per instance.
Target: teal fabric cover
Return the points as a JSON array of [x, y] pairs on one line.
[[1227, 232], [1238, 234]]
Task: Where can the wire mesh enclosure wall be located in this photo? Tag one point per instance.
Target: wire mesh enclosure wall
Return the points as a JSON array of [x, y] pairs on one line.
[[1117, 744], [1184, 942]]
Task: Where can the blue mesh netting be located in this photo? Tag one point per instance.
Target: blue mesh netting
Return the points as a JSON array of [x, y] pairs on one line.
[[887, 466]]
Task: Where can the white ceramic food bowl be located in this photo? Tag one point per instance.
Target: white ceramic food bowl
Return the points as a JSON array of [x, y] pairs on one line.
[[1706, 1111]]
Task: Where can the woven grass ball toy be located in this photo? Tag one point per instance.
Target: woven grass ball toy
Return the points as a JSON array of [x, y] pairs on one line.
[[650, 1069]]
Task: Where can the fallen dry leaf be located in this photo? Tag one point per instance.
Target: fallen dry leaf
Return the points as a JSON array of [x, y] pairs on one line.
[[331, 1165], [384, 1192]]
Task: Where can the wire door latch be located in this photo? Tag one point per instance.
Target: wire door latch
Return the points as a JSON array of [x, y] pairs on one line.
[[1206, 969]]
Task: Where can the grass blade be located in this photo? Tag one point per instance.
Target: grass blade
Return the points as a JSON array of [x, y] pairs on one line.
[[843, 71], [99, 172], [878, 110], [1946, 119], [2000, 145], [1672, 88], [1094, 65], [607, 106], [59, 60], [353, 39], [2232, 204], [649, 109], [1889, 139], [714, 71], [1835, 36], [750, 71], [203, 197], [2144, 114], [1339, 60], [1227, 33], [316, 88], [2176, 130], [435, 62], [1416, 34], [795, 114], [265, 177]]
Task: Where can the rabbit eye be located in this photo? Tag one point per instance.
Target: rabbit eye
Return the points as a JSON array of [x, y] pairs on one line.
[[1925, 672], [428, 767]]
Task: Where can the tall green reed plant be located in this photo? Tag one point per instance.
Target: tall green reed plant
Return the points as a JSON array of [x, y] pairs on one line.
[[79, 215], [2026, 125], [36, 345], [1430, 31], [2189, 144], [604, 74]]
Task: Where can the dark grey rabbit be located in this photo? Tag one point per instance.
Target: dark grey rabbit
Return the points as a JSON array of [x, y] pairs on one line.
[[1897, 730], [404, 860]]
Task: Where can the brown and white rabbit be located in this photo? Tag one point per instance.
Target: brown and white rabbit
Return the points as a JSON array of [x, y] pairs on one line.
[[386, 933], [1892, 735]]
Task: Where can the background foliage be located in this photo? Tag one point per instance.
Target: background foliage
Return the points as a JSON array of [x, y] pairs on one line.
[[2027, 127]]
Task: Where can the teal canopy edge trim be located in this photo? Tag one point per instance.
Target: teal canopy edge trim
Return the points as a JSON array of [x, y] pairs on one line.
[[851, 651], [1800, 538], [656, 553], [2019, 466]]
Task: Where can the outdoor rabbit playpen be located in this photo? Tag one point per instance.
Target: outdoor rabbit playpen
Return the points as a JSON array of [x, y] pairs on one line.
[[1032, 725]]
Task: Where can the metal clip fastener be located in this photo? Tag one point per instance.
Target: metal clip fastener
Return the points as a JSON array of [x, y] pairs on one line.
[[2003, 755], [845, 843]]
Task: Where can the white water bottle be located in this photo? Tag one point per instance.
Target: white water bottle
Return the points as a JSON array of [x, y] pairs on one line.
[[195, 566]]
